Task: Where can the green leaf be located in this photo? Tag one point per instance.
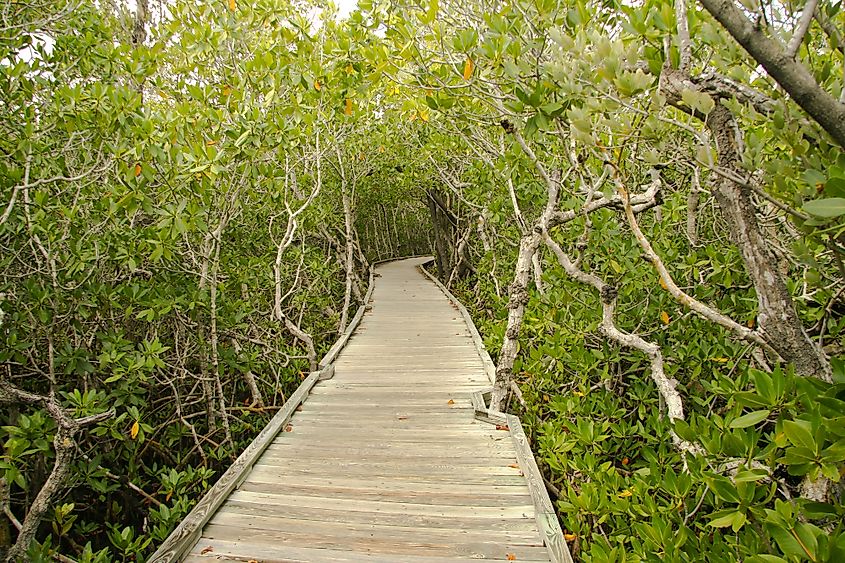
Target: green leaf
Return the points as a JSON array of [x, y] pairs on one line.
[[799, 432], [835, 188], [750, 419], [828, 207], [786, 541]]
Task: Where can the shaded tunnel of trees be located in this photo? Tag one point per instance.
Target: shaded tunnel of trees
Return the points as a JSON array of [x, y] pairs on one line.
[[641, 204]]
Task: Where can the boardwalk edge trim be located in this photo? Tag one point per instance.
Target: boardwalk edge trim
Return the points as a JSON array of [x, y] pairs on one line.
[[189, 530], [544, 511]]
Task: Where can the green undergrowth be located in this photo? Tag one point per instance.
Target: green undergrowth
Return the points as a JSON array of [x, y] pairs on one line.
[[623, 491]]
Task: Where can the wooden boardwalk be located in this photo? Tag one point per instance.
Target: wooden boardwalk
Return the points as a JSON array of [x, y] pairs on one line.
[[386, 461]]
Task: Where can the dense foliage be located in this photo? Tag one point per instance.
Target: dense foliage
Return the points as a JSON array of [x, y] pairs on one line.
[[647, 228]]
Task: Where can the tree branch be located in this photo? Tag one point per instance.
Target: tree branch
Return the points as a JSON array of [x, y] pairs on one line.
[[791, 75]]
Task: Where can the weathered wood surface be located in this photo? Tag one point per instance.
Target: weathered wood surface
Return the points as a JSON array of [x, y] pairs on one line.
[[386, 461]]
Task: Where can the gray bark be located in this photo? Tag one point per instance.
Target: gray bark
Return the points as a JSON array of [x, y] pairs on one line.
[[790, 74]]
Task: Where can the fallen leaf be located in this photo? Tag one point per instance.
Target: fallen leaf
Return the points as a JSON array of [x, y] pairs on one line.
[[231, 5], [569, 537], [625, 461], [289, 428], [227, 90], [451, 402], [133, 432], [350, 69], [750, 323], [664, 316], [468, 66], [545, 398], [514, 465], [205, 550], [502, 427], [403, 418], [511, 557], [137, 170], [317, 86], [625, 494], [210, 143], [348, 109], [663, 284]]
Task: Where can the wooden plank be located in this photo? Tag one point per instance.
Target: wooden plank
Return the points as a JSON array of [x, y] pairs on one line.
[[188, 530], [219, 550], [357, 529], [489, 366], [341, 517], [397, 545], [386, 485], [545, 512], [454, 476]]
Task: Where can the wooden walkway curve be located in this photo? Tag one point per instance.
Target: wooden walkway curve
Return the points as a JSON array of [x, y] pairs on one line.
[[386, 460]]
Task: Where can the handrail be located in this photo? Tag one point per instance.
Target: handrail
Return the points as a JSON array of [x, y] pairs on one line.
[[544, 511]]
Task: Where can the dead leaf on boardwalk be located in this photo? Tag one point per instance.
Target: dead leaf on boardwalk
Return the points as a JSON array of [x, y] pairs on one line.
[[403, 418], [451, 402], [511, 557], [502, 427], [289, 428], [205, 550], [514, 465], [569, 537]]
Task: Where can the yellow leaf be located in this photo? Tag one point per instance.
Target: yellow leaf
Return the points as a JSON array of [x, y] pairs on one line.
[[578, 393], [625, 494], [349, 69], [569, 537], [317, 86], [664, 316], [511, 557], [468, 66], [227, 90], [750, 323], [720, 360], [137, 170], [210, 143], [348, 109], [135, 428], [424, 115], [231, 5], [381, 149], [663, 284], [450, 402]]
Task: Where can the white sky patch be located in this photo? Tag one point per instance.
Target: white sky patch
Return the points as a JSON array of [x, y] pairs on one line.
[[346, 7]]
